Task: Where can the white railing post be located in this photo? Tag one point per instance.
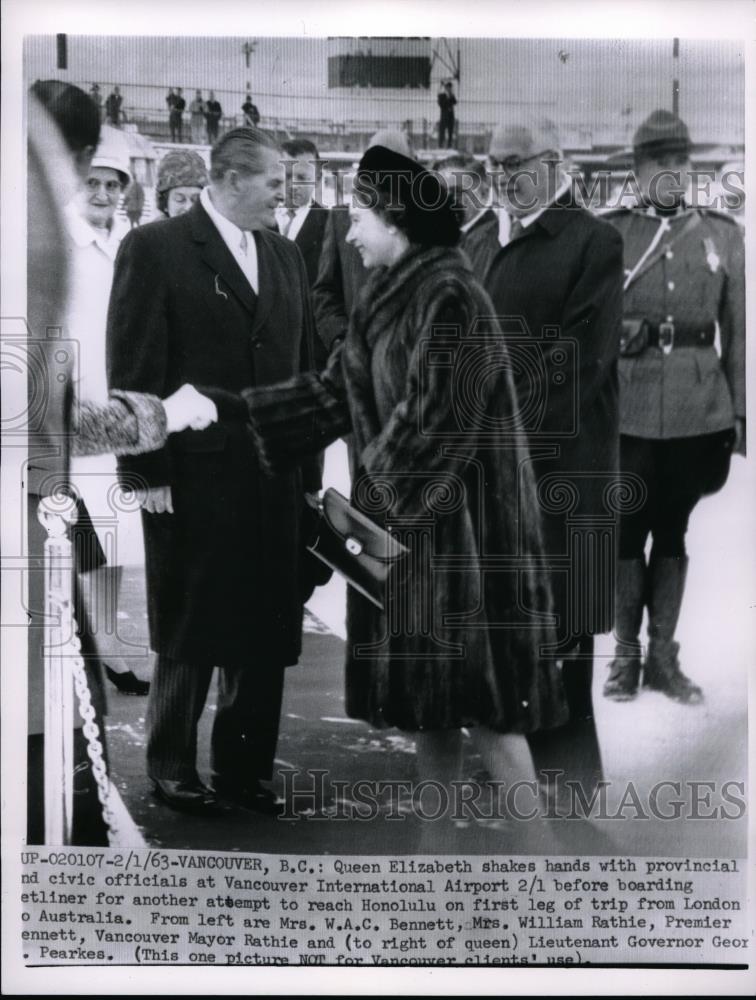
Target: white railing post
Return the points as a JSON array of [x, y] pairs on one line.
[[55, 514]]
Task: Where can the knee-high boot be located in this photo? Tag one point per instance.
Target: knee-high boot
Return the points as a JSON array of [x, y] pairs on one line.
[[624, 669], [662, 669]]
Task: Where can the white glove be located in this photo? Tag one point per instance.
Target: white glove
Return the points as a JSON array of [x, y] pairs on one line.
[[189, 408]]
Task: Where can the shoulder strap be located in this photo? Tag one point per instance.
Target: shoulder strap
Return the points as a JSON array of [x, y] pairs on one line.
[[652, 254]]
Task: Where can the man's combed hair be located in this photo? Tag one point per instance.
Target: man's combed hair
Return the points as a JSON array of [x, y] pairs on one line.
[[462, 162], [240, 149], [300, 149]]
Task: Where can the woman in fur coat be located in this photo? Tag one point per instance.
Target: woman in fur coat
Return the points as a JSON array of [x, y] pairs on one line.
[[423, 383]]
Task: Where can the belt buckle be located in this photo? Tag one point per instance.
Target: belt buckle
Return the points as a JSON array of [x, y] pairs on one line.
[[666, 337]]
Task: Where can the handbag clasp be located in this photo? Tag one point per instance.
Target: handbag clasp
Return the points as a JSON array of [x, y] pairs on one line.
[[353, 546]]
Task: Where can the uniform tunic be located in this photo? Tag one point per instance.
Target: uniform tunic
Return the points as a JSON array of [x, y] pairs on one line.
[[694, 279]]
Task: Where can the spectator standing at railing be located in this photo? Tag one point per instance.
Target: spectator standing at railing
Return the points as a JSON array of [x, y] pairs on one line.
[[251, 114], [176, 105], [95, 95], [113, 108], [446, 121], [197, 118], [213, 115]]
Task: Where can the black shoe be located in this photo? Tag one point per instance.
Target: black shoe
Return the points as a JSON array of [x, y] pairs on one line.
[[253, 796], [127, 682], [624, 675], [662, 673], [187, 796]]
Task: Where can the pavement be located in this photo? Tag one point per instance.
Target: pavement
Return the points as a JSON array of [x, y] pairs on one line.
[[644, 742]]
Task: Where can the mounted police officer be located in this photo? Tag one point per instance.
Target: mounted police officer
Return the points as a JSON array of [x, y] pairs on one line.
[[682, 394]]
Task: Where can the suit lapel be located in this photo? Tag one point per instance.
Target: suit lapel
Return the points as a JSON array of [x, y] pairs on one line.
[[220, 260], [268, 281], [311, 231]]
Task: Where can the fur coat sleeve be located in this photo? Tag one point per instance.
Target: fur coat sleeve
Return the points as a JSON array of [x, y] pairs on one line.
[[130, 423]]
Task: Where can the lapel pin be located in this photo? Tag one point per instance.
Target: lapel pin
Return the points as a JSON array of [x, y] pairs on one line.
[[218, 289]]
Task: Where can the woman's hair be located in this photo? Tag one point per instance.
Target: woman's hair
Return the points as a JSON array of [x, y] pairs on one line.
[[408, 196], [179, 168]]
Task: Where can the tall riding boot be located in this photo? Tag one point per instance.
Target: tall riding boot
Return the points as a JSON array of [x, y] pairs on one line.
[[662, 669], [624, 670]]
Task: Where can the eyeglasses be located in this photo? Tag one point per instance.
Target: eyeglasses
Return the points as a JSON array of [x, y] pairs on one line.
[[94, 184], [511, 164]]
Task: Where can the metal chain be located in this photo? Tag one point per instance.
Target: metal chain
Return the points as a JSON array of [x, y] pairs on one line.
[[92, 734]]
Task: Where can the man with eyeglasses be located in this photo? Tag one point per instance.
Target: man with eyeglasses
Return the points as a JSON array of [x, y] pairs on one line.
[[558, 270]]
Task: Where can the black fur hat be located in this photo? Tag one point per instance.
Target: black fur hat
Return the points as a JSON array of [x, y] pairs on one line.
[[416, 200]]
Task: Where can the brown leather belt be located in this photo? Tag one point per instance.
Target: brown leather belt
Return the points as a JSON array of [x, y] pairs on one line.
[[667, 336]]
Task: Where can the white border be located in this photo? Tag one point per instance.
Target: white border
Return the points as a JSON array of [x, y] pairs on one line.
[[455, 18]]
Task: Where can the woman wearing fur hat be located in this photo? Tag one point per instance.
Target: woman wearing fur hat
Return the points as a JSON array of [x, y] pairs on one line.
[[423, 382], [181, 176]]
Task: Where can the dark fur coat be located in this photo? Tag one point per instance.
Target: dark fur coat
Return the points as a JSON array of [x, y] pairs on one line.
[[423, 383]]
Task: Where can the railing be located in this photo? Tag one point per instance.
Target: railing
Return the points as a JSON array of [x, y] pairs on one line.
[[65, 682]]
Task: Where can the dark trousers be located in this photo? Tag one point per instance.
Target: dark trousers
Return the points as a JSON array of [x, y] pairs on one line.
[[677, 473], [245, 731], [445, 131], [177, 124], [572, 748]]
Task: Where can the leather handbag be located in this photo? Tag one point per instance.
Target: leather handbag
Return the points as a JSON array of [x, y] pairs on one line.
[[353, 545]]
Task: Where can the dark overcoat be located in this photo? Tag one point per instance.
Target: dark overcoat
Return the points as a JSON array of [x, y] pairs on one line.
[[310, 239], [481, 242], [341, 276], [427, 393], [222, 569], [559, 286]]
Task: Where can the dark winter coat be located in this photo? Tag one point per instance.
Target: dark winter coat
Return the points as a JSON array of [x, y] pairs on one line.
[[481, 243], [222, 570], [563, 279], [430, 403], [309, 239], [341, 276]]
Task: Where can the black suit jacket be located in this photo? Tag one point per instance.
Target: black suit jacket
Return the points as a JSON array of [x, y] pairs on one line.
[[222, 570], [340, 277], [310, 239], [481, 243], [559, 287]]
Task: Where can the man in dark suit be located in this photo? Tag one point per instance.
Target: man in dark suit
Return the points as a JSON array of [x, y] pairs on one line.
[[467, 178], [559, 270], [214, 298], [301, 218]]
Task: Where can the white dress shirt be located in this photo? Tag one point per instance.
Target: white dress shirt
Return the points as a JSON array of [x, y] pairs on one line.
[[505, 219], [290, 225], [241, 242]]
